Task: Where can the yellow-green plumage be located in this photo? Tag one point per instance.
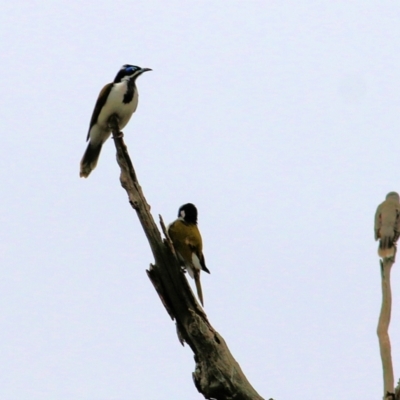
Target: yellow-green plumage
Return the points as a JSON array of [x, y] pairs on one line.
[[186, 238]]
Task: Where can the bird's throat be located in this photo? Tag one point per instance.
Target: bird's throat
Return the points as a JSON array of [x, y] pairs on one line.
[[128, 96]]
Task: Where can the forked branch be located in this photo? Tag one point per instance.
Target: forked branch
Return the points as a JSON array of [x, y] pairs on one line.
[[217, 374]]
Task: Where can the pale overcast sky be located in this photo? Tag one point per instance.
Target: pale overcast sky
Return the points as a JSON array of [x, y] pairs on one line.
[[279, 119]]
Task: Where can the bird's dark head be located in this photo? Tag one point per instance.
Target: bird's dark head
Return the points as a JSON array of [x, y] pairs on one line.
[[128, 72], [189, 213]]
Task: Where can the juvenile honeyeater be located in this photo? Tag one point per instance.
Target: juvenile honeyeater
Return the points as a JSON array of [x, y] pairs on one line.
[[186, 238]]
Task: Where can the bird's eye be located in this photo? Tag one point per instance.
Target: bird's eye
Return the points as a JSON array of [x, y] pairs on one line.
[[128, 69]]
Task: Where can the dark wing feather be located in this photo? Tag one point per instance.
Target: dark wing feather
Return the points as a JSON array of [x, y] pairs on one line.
[[99, 105], [378, 221], [200, 255], [397, 226], [203, 264]]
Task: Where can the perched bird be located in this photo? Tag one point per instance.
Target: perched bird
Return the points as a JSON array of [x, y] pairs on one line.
[[186, 238], [387, 225], [119, 97]]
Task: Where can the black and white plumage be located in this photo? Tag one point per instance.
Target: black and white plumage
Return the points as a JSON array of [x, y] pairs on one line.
[[119, 97]]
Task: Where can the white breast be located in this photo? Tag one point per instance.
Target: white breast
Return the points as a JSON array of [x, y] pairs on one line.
[[114, 105]]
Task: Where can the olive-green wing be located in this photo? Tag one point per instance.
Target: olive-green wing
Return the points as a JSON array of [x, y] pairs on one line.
[[196, 244], [178, 233], [187, 240]]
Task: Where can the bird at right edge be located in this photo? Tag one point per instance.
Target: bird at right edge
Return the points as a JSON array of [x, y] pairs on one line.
[[387, 225], [186, 238]]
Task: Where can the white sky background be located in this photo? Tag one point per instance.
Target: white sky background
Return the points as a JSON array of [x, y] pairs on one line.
[[280, 121]]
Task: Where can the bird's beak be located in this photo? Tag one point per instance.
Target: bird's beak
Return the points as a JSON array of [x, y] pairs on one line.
[[145, 70]]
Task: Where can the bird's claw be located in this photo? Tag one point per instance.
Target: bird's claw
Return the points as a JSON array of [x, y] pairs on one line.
[[119, 136]]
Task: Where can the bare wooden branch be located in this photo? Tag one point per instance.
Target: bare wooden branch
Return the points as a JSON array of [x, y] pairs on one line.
[[383, 330], [217, 375]]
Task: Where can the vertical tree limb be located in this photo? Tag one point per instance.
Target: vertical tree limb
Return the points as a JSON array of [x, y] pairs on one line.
[[383, 330], [217, 374]]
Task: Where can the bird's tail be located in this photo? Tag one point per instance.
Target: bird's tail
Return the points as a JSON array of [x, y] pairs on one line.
[[198, 286], [89, 159]]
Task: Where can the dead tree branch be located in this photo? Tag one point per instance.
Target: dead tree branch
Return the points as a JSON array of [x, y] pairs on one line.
[[217, 375], [383, 332]]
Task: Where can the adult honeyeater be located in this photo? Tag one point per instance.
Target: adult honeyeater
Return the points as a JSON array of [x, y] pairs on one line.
[[186, 238], [119, 97], [387, 225]]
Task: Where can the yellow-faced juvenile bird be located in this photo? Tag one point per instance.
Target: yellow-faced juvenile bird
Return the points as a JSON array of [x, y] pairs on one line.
[[387, 225], [119, 97], [185, 236]]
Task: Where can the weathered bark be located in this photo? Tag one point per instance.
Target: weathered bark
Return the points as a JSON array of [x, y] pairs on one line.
[[383, 333], [217, 375]]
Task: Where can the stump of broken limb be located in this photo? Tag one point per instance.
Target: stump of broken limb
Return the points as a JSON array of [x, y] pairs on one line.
[[217, 375]]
